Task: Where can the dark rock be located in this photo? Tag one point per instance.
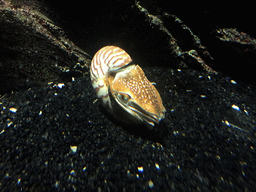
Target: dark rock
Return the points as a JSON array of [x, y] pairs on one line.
[[33, 50]]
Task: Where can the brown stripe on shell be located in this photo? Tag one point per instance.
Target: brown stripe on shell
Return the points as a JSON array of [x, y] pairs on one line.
[[99, 87], [104, 96]]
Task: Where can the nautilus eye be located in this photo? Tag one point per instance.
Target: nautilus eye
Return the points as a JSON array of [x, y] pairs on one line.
[[123, 97], [123, 88]]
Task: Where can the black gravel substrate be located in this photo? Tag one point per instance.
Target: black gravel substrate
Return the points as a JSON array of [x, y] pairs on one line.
[[61, 139]]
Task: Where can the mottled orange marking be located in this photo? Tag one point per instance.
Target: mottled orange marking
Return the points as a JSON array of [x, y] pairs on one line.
[[141, 89]]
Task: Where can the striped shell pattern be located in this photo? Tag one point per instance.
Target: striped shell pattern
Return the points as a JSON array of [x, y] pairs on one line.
[[123, 88]]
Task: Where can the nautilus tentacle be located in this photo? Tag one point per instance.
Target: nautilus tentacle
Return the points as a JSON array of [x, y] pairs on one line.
[[124, 89]]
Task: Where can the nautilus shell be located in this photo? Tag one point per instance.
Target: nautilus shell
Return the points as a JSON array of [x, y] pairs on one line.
[[123, 88]]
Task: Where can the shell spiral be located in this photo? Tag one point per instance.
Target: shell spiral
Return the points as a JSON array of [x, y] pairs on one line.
[[108, 59], [124, 89]]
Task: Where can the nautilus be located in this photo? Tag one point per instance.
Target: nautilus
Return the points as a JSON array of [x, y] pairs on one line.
[[123, 88]]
